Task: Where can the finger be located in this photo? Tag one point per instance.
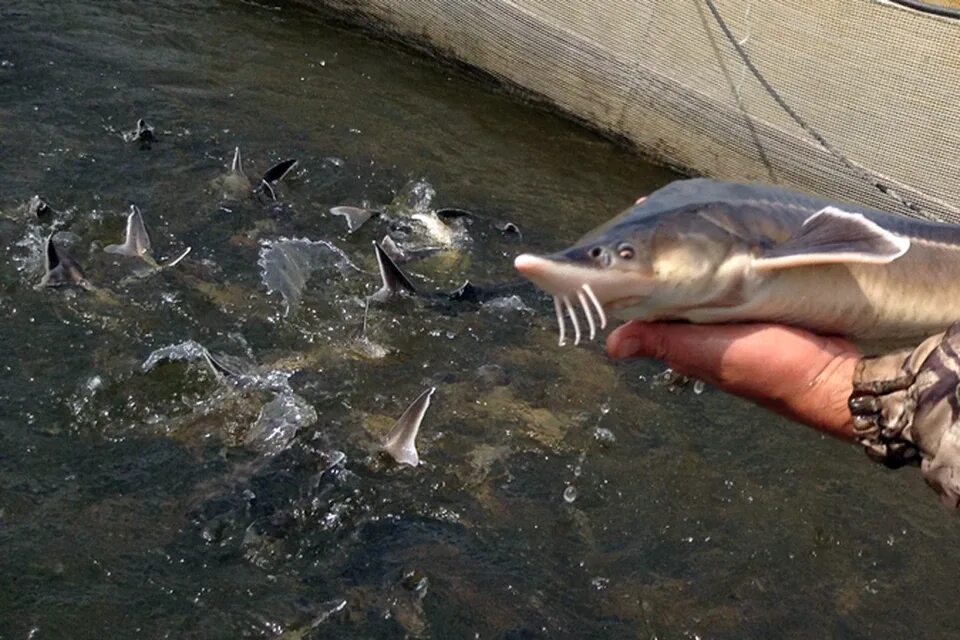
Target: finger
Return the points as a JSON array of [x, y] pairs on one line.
[[700, 350]]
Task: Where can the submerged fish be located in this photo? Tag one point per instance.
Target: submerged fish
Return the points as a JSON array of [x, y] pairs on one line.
[[705, 251]]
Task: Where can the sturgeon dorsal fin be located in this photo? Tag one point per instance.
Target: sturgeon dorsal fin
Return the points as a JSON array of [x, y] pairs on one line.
[[136, 242], [237, 165], [59, 268], [401, 442], [276, 173], [834, 236], [394, 280]]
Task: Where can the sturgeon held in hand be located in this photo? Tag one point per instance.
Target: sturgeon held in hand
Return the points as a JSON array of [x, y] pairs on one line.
[[705, 251]]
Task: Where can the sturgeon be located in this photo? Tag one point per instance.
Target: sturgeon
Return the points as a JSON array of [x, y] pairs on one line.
[[705, 251]]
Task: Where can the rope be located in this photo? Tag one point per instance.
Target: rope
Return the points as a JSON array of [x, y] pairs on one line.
[[867, 175]]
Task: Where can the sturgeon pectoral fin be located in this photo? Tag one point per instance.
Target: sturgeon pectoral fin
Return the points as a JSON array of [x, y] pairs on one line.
[[834, 236], [401, 442]]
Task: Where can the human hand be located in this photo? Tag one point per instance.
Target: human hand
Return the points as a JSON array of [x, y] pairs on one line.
[[798, 374]]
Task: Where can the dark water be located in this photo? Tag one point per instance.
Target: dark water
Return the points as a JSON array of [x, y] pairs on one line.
[[141, 503]]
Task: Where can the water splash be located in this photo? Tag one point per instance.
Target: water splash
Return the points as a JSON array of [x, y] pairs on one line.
[[278, 423], [286, 265]]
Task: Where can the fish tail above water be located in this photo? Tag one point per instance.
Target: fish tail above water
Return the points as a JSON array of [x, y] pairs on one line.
[[394, 281], [60, 269], [401, 442], [277, 172], [236, 166], [356, 217], [136, 241], [39, 208], [219, 369], [143, 133], [266, 189]]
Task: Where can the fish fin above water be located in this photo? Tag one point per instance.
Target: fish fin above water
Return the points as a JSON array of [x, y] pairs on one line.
[[220, 370], [178, 259], [467, 292], [38, 207], [401, 442], [452, 213], [394, 280], [143, 133], [834, 236], [59, 268], [508, 228], [266, 189], [236, 165], [136, 242], [392, 249], [276, 173], [356, 216]]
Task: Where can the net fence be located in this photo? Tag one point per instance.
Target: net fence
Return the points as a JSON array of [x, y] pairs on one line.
[[878, 80]]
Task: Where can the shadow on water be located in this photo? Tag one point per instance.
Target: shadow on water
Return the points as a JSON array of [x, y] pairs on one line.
[[559, 494]]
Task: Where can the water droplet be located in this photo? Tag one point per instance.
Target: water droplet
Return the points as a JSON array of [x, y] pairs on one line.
[[570, 494], [604, 436], [699, 386], [600, 583]]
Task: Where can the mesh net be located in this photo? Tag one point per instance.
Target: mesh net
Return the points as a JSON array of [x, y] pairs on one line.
[[877, 80]]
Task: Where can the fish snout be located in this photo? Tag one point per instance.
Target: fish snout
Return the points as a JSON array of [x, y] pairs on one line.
[[555, 276], [570, 285]]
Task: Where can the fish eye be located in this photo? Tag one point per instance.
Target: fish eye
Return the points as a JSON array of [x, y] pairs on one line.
[[625, 251], [596, 252]]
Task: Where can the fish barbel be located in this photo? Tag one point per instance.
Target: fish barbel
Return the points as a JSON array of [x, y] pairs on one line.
[[714, 252]]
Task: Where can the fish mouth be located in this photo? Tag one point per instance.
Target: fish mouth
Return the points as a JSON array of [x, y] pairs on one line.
[[570, 284]]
